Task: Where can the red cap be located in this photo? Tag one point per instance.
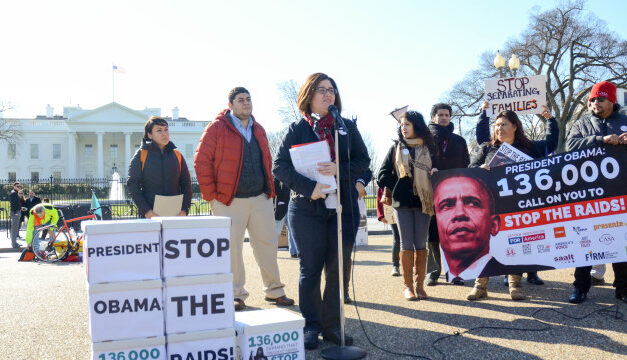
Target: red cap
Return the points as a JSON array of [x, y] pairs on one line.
[[604, 89]]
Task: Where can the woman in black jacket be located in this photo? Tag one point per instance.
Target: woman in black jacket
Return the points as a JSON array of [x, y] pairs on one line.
[[163, 170], [508, 129], [406, 171], [311, 220]]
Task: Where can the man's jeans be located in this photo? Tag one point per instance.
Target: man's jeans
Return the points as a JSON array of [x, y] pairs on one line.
[[15, 227]]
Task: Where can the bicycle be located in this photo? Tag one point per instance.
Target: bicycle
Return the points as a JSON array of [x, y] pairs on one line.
[[62, 243]]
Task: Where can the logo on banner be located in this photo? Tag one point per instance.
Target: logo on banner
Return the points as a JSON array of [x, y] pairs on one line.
[[570, 258], [606, 239], [559, 232], [585, 241], [544, 249], [534, 237], [510, 251], [562, 245], [526, 249], [515, 240], [579, 229], [604, 255], [609, 225]]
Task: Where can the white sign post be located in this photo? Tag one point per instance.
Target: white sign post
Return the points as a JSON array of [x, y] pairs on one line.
[[523, 95]]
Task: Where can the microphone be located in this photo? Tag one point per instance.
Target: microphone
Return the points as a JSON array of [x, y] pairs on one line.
[[336, 115]]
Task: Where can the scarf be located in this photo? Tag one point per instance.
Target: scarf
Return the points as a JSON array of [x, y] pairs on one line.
[[441, 134], [325, 131], [421, 165]]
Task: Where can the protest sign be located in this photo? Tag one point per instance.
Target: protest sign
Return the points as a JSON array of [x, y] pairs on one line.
[[196, 245], [273, 333], [523, 95], [125, 310], [197, 303], [152, 348], [562, 211], [122, 250], [206, 345]]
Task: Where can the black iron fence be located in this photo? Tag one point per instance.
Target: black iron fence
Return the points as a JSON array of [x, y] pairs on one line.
[[110, 192]]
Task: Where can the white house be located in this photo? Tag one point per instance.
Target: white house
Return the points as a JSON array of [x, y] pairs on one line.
[[88, 143]]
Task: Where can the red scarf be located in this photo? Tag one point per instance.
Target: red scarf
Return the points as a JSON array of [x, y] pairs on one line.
[[325, 131]]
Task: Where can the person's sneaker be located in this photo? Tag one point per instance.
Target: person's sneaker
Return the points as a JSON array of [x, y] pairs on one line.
[[239, 304], [458, 281], [431, 281], [310, 339], [396, 271], [577, 297], [534, 279], [347, 299], [596, 282], [334, 337]]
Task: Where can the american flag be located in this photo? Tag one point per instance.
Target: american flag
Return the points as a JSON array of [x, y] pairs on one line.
[[119, 69]]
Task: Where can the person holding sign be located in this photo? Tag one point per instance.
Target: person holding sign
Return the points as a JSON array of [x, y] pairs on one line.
[[157, 168], [604, 126], [314, 223], [407, 169], [508, 129]]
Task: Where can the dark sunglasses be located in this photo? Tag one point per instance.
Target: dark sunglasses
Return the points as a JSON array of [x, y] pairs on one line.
[[599, 99]]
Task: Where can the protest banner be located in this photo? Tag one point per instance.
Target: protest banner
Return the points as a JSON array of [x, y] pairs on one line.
[[562, 211], [523, 95]]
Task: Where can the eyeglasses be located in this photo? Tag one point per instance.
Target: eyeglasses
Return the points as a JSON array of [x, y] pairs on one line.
[[322, 90], [599, 99]]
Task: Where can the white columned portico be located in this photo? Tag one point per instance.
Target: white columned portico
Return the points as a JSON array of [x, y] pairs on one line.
[[100, 161], [127, 149], [71, 152]]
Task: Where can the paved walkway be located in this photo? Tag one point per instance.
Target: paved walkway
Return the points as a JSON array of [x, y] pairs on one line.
[[43, 313]]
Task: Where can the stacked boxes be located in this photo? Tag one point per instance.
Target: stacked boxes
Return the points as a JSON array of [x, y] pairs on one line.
[[167, 276]]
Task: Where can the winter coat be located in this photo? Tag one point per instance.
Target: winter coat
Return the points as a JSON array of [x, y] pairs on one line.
[[484, 153], [301, 133], [402, 188], [452, 149], [281, 200], [14, 199], [590, 130], [219, 158], [161, 176]]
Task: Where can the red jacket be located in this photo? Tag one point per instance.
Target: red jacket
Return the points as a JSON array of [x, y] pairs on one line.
[[219, 157]]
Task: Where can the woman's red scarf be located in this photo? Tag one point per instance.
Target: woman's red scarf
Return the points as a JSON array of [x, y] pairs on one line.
[[325, 130]]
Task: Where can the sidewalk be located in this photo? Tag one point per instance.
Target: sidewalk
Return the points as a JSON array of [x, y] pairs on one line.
[[44, 308]]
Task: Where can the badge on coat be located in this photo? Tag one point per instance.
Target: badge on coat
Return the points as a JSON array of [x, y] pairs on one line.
[[623, 128]]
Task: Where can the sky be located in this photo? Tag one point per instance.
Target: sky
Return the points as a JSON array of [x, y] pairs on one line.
[[189, 54]]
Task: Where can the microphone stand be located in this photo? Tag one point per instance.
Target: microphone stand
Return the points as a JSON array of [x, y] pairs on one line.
[[341, 352]]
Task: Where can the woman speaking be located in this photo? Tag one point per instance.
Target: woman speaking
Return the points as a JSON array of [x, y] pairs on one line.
[[314, 223]]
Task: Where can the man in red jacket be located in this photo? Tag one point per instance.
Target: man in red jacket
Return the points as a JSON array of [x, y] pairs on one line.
[[234, 170]]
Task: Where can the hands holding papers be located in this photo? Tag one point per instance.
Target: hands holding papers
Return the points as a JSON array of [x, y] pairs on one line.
[[313, 161]]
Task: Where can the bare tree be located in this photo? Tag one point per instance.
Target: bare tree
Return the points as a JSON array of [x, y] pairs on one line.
[[9, 131], [570, 46], [289, 97], [274, 141], [372, 152]]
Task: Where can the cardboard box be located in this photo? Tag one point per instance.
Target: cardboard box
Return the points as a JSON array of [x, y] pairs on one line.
[[274, 333], [126, 310], [206, 345], [197, 303], [198, 245], [148, 348], [125, 250]]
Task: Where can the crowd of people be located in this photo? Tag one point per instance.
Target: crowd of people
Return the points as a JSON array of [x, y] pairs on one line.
[[239, 178]]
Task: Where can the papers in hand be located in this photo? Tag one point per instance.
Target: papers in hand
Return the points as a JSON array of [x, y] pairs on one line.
[[508, 154], [305, 159], [168, 205]]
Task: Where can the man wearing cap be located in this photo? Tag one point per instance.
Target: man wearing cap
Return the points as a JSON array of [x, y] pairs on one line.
[[233, 165], [605, 125]]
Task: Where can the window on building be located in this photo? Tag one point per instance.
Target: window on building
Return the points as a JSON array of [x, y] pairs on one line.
[[89, 151], [113, 152], [56, 175], [189, 151], [12, 151], [34, 176], [12, 176], [56, 151], [34, 151]]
